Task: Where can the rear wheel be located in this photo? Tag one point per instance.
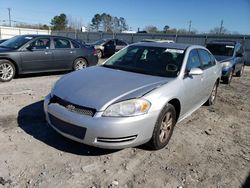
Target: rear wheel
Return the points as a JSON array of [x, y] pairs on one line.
[[240, 72], [80, 63], [212, 96], [164, 127], [7, 70]]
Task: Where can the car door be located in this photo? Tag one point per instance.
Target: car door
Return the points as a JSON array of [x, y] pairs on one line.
[[119, 44], [209, 72], [63, 53], [109, 47], [193, 85], [37, 56]]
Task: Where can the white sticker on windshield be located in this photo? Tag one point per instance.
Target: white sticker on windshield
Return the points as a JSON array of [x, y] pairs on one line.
[[28, 38], [175, 51], [229, 46]]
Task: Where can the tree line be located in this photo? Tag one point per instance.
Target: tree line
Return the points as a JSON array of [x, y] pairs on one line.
[[108, 23]]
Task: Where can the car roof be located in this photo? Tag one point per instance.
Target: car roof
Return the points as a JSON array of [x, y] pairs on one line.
[[35, 35], [165, 45], [229, 42]]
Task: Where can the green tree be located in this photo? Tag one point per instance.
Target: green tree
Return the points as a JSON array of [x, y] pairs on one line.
[[123, 24], [59, 22], [166, 28], [96, 22], [108, 23], [151, 29]]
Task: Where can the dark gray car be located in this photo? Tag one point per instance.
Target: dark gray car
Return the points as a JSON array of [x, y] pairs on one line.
[[43, 53], [230, 55], [107, 47]]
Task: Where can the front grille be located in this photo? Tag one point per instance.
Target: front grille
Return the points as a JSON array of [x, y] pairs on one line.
[[73, 107], [70, 129], [116, 140]]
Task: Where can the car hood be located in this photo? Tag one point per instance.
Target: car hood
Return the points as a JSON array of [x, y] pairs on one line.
[[6, 49], [221, 58], [98, 87]]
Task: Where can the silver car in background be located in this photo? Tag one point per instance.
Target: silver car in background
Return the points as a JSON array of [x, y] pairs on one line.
[[136, 96]]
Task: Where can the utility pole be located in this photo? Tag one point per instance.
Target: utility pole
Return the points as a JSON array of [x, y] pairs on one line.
[[9, 17], [189, 26], [221, 26]]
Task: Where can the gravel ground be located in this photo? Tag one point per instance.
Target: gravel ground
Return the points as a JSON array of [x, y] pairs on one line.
[[211, 148]]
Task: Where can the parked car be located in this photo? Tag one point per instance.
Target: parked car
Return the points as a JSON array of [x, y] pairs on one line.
[[3, 40], [230, 55], [43, 53], [107, 47], [136, 96], [157, 40]]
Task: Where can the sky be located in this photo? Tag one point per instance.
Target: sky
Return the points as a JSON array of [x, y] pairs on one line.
[[204, 14]]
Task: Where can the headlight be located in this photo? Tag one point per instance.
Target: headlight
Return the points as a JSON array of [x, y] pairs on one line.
[[133, 107], [52, 90], [225, 64]]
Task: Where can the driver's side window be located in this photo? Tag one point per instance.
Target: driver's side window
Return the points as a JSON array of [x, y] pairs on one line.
[[193, 61], [41, 43]]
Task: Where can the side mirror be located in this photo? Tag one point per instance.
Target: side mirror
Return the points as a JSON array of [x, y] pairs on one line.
[[195, 71], [30, 48]]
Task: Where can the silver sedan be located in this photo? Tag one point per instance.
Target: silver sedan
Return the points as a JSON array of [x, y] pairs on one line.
[[136, 96]]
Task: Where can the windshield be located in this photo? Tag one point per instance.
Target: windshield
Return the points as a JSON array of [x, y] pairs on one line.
[[221, 49], [16, 42], [99, 42], [156, 61]]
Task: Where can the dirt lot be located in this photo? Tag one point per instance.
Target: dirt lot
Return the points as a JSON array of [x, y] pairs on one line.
[[209, 149]]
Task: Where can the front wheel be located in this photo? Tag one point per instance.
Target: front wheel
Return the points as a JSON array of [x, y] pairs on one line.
[[80, 63], [228, 79], [212, 97], [164, 127], [7, 70]]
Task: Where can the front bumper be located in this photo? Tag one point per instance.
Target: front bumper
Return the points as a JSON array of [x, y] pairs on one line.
[[98, 131], [226, 72]]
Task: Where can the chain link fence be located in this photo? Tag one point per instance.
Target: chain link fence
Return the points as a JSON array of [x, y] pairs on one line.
[[200, 39]]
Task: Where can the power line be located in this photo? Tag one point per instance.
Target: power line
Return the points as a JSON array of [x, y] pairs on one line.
[[189, 26]]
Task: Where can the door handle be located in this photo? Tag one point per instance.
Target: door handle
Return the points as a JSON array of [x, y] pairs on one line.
[[72, 52], [48, 53]]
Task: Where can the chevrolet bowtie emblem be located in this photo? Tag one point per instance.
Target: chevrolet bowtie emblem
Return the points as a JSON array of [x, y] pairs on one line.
[[70, 107]]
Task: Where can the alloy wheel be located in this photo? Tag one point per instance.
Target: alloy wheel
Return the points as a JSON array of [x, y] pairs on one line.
[[80, 64], [166, 126], [6, 71]]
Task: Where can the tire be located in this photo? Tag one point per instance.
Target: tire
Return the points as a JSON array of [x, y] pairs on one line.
[[160, 137], [240, 72], [99, 53], [212, 97], [228, 79], [80, 63], [7, 70]]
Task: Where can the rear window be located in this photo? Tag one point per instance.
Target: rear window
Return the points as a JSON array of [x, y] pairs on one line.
[[61, 43], [75, 44], [221, 49]]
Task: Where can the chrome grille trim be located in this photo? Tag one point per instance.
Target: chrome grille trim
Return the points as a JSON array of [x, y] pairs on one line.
[[73, 107]]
